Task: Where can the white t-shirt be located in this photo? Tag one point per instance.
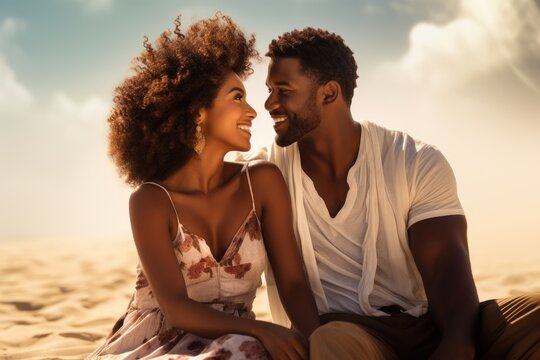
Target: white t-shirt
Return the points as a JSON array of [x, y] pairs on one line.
[[398, 181], [337, 242]]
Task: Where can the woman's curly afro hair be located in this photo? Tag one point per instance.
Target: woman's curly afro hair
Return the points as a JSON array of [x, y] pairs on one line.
[[153, 119], [323, 55]]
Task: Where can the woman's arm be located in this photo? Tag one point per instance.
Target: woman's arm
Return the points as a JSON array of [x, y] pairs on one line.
[[151, 215], [276, 218]]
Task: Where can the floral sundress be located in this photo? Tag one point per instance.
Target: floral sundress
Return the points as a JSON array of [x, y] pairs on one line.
[[229, 285]]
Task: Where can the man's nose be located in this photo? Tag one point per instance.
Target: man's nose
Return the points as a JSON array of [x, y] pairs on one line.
[[271, 102]]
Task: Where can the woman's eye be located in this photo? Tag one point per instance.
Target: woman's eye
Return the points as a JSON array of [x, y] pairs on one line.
[[238, 97]]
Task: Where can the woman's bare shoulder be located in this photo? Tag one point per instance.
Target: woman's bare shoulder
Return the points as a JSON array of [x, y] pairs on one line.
[[264, 167], [149, 197], [257, 169], [265, 176]]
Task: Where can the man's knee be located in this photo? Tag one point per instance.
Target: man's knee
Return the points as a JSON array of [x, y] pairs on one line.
[[343, 340], [326, 332]]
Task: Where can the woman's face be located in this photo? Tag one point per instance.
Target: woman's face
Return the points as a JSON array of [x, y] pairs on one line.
[[228, 121]]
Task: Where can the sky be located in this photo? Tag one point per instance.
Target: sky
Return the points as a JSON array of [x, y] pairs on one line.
[[463, 75]]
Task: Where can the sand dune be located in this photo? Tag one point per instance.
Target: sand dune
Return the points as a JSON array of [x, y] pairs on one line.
[[59, 300]]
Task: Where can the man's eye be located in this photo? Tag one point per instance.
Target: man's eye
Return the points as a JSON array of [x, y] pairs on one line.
[[238, 97], [280, 91]]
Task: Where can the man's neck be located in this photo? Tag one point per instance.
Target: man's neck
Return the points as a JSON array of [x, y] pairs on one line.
[[333, 145]]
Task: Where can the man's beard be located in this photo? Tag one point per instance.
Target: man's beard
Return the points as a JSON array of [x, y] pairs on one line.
[[301, 124]]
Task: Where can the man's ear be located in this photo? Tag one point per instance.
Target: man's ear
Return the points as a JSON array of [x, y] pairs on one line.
[[330, 92]]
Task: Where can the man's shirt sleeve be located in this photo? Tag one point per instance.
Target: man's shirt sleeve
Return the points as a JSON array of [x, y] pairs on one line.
[[433, 189]]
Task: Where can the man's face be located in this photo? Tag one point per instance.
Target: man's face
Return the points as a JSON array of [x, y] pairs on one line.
[[292, 100]]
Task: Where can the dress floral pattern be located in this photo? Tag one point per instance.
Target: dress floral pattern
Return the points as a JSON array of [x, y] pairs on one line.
[[228, 285]]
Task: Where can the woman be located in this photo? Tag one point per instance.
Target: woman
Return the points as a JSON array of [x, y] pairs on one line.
[[201, 256]]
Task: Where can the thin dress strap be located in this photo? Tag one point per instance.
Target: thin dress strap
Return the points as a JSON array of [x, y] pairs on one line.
[[249, 183], [170, 198]]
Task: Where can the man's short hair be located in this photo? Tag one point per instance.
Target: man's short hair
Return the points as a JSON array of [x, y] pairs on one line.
[[323, 55]]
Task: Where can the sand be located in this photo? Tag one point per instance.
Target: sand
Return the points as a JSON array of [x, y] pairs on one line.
[[58, 300]]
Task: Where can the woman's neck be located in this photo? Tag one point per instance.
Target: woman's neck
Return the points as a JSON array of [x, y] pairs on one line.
[[199, 175]]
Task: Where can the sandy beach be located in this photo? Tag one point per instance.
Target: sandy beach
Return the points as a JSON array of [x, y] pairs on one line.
[[59, 299]]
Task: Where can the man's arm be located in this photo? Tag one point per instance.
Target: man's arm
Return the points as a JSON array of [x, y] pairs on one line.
[[439, 248]]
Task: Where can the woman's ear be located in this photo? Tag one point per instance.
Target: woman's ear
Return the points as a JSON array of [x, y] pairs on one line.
[[201, 116], [330, 92]]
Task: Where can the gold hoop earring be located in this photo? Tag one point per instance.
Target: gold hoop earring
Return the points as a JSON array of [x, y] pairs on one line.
[[200, 140]]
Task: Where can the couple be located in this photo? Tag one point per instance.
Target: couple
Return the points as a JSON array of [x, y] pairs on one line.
[[359, 229]]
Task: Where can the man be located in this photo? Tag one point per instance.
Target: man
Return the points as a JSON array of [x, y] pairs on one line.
[[379, 223]]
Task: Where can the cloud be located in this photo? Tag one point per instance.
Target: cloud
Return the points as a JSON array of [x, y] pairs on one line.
[[470, 87], [9, 27], [515, 27], [486, 36], [434, 10], [12, 93], [86, 111], [96, 5], [54, 153], [371, 9]]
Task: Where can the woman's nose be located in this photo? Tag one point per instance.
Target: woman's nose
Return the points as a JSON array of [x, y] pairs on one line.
[[251, 112]]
